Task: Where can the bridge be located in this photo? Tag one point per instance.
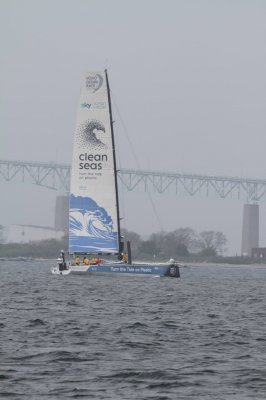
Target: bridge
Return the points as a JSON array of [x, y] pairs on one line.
[[57, 177]]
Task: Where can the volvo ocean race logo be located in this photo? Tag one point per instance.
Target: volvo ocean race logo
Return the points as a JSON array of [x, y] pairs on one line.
[[94, 82]]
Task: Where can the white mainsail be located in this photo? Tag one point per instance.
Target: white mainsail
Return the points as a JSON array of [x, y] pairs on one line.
[[93, 215]]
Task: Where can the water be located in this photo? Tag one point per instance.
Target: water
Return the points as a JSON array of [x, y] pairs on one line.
[[199, 337]]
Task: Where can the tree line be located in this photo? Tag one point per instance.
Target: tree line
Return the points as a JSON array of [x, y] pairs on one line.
[[180, 243]]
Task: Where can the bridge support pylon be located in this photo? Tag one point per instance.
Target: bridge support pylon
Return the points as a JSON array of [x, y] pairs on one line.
[[61, 213], [250, 229]]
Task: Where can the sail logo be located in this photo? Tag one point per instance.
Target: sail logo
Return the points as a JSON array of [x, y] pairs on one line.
[[94, 82], [85, 105], [87, 133], [91, 227], [92, 161], [99, 105]]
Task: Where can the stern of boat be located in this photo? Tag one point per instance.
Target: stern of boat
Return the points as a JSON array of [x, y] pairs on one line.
[[173, 270]]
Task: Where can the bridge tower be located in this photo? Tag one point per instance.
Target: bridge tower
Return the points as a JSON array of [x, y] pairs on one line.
[[250, 229], [61, 213]]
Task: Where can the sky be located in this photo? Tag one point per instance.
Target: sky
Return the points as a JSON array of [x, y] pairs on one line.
[[188, 87]]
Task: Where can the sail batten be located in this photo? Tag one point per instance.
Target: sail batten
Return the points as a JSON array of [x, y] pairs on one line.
[[93, 212]]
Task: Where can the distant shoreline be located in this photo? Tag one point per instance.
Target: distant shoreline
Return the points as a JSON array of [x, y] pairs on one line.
[[194, 263]]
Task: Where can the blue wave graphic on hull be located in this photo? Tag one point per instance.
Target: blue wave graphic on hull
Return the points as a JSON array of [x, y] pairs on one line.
[[90, 227]]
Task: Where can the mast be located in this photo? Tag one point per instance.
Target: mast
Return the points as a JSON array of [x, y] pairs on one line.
[[115, 170]]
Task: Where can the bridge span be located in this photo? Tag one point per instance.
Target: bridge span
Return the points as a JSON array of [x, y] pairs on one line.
[[56, 177]]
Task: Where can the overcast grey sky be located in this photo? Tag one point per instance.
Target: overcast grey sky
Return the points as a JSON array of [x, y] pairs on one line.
[[187, 77]]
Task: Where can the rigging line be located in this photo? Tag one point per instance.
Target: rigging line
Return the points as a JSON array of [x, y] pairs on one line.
[[136, 159], [123, 219], [122, 205]]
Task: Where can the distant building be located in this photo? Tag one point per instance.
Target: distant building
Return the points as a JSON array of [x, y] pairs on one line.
[[29, 233], [259, 253]]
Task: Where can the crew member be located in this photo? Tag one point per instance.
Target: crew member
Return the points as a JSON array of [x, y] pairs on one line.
[[86, 261], [63, 259], [60, 264], [77, 260], [125, 257]]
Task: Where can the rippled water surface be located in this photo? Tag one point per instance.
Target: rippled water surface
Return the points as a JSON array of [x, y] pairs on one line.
[[199, 337]]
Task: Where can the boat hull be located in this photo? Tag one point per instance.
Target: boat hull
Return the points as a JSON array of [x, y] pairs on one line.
[[58, 271], [156, 270]]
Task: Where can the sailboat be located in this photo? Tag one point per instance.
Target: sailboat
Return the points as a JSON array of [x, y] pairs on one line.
[[94, 218]]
